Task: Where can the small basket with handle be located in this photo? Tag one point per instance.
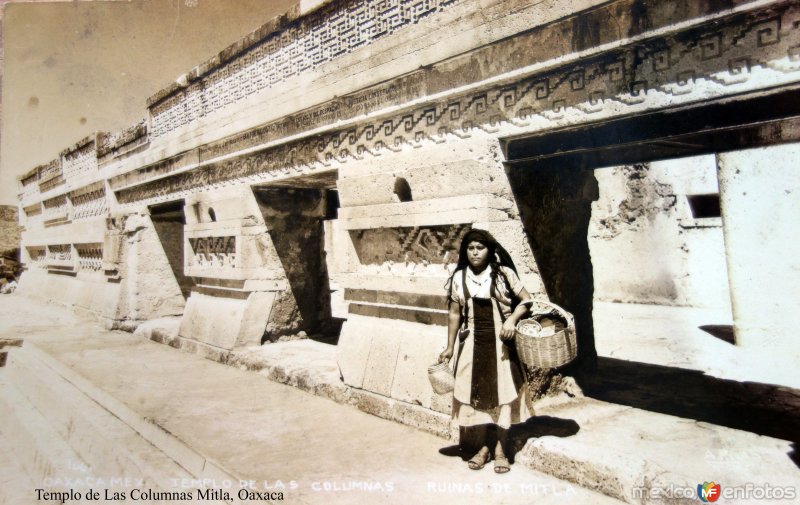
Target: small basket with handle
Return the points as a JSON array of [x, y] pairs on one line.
[[441, 377], [539, 350]]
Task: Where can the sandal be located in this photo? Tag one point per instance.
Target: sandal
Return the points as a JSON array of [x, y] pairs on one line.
[[479, 460], [501, 465]]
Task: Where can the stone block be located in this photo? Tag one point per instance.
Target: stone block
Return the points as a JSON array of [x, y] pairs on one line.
[[257, 309], [353, 350], [84, 293], [391, 358], [382, 361], [230, 204], [420, 346], [442, 211], [384, 311], [226, 323], [212, 320]]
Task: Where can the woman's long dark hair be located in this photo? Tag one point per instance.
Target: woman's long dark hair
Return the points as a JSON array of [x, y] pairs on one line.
[[498, 257]]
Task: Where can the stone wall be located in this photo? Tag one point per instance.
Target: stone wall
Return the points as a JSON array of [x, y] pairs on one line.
[[412, 128], [646, 245]]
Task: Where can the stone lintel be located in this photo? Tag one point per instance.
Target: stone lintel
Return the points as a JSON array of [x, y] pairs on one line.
[[175, 164], [373, 296], [411, 314]]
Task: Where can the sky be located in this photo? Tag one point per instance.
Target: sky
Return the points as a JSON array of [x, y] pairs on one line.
[[71, 68]]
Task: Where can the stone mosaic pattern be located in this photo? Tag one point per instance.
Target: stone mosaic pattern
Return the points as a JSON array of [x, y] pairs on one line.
[[315, 40], [82, 161], [33, 210], [418, 244], [90, 204], [699, 62], [108, 142], [55, 207], [59, 252], [213, 252], [30, 186], [50, 170], [90, 257], [38, 255]]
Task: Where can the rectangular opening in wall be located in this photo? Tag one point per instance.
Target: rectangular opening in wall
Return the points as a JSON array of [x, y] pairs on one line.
[[331, 204], [168, 221], [704, 206]]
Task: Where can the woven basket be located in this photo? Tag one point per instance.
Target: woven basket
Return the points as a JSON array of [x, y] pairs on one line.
[[550, 351], [441, 378]]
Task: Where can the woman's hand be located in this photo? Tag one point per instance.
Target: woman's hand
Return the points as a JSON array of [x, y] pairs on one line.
[[446, 355], [508, 329]]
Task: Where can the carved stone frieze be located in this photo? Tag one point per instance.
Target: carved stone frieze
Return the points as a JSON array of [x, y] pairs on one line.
[[33, 210], [81, 161], [316, 39], [37, 256], [213, 252], [418, 244], [712, 60], [110, 142], [55, 207], [49, 170], [59, 252], [90, 257], [89, 204]]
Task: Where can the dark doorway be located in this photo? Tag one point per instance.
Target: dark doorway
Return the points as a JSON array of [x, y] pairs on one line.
[[294, 218], [168, 221]]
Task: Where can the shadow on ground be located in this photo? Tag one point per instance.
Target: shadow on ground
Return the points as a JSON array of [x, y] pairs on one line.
[[518, 436], [764, 409]]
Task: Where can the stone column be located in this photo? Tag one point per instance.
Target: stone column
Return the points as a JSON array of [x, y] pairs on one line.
[[760, 203]]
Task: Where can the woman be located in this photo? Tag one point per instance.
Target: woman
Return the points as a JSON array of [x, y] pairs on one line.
[[486, 300]]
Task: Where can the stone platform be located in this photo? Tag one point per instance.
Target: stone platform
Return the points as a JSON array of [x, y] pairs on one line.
[[217, 422], [81, 405]]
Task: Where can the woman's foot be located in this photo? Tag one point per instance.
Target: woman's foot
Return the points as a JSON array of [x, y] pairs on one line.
[[479, 460], [501, 465]]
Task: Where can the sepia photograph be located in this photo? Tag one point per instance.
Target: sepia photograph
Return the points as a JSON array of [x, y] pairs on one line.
[[400, 251]]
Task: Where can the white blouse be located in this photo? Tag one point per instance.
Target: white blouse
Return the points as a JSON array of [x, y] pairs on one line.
[[479, 286]]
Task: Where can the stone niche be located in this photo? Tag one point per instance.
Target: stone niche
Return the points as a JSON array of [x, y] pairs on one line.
[[255, 256], [294, 218]]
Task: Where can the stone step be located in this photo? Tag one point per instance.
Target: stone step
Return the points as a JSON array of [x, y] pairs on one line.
[[78, 440], [639, 456], [16, 486], [35, 445]]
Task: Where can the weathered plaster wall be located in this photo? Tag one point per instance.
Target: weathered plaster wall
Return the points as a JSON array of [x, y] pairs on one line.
[[645, 245]]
